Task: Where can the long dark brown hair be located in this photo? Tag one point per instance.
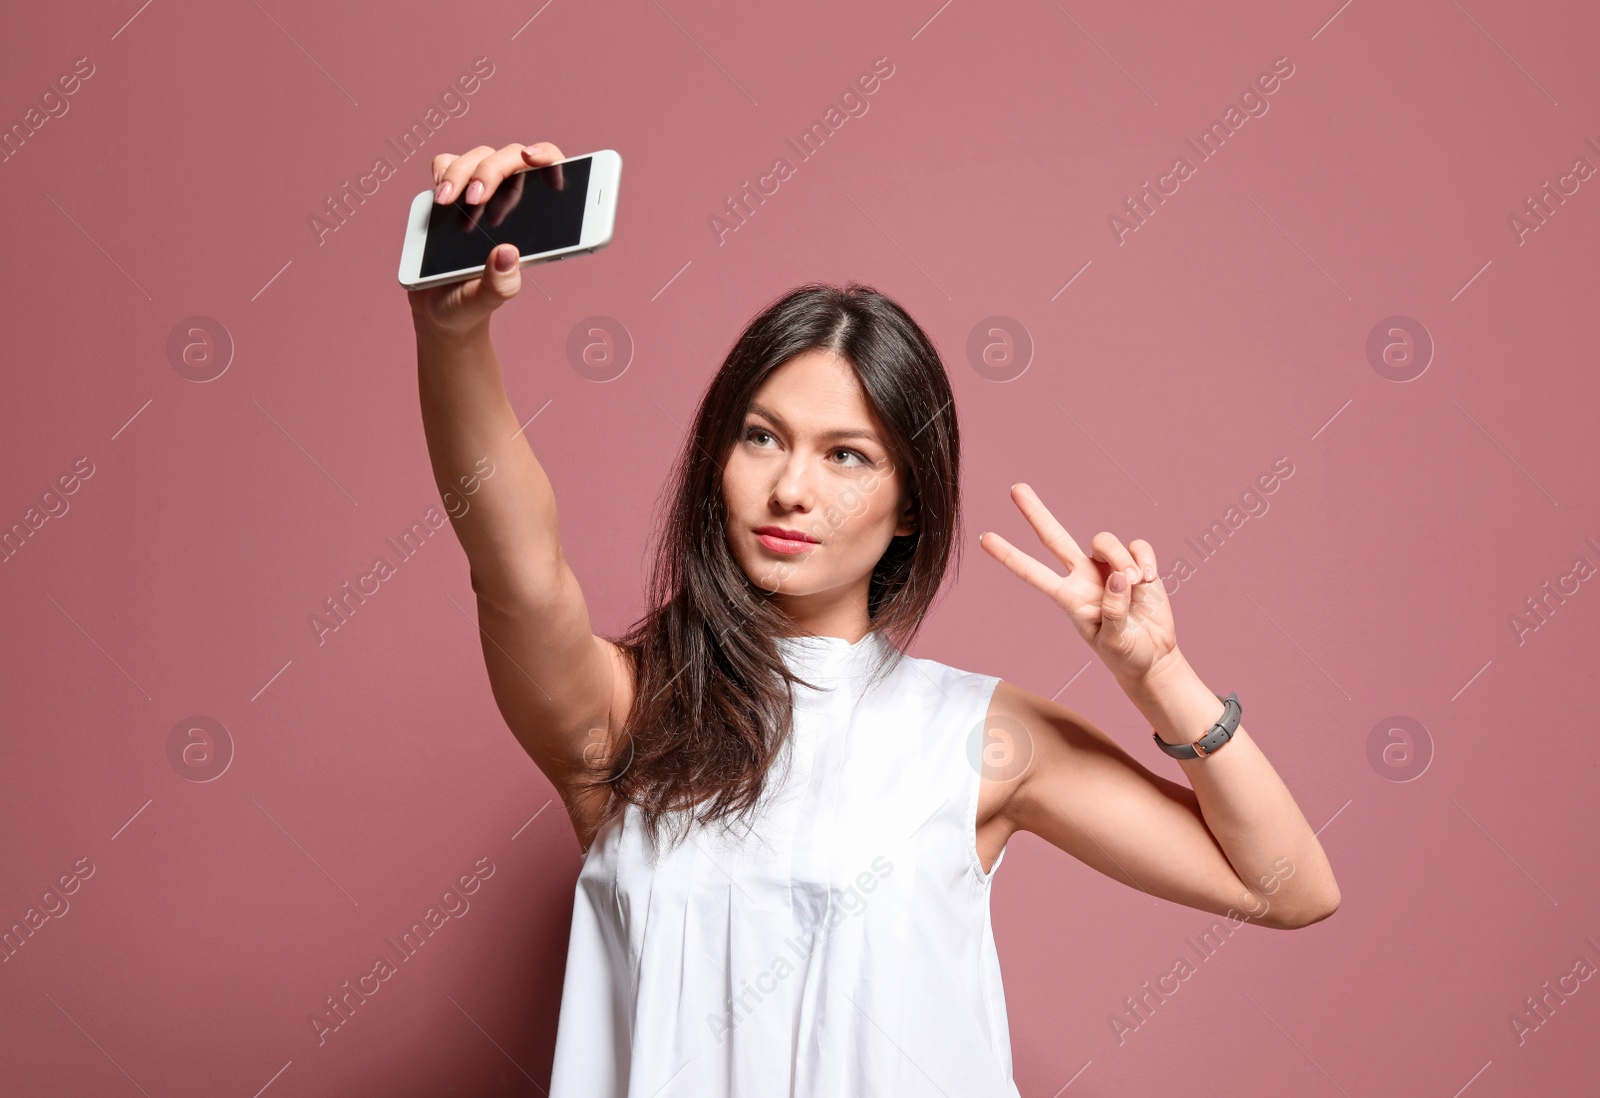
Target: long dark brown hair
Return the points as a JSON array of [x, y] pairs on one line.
[[712, 694]]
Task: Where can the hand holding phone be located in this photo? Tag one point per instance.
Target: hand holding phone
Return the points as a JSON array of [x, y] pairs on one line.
[[494, 211]]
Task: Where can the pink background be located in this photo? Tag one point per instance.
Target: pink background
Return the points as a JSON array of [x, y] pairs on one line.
[[369, 773]]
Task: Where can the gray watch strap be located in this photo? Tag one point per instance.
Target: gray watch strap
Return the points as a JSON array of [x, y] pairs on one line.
[[1217, 735]]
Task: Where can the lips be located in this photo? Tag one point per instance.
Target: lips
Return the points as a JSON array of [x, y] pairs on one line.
[[787, 535], [781, 540]]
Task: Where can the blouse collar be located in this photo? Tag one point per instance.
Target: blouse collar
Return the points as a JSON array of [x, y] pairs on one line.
[[835, 657]]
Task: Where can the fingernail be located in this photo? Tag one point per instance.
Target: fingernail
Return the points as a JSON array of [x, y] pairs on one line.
[[1118, 582], [442, 192], [1149, 574], [504, 260], [474, 192]]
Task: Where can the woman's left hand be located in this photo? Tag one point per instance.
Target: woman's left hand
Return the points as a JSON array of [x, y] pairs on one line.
[[1130, 629]]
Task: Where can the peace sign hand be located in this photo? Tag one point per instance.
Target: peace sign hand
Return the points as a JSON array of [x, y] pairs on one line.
[[1130, 628]]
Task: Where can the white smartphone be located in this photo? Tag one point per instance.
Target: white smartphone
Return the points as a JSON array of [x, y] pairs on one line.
[[548, 212]]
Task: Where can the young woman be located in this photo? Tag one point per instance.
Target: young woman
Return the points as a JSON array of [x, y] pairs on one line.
[[791, 827]]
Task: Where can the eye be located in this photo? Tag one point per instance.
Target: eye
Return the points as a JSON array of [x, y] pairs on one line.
[[754, 433]]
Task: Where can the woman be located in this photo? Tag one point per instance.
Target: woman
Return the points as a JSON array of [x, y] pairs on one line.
[[791, 828]]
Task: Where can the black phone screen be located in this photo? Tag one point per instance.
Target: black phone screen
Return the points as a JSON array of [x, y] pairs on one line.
[[538, 210]]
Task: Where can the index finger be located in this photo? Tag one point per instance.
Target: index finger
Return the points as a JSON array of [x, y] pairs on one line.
[[453, 173], [542, 154], [505, 199], [488, 173], [1020, 564], [1051, 533]]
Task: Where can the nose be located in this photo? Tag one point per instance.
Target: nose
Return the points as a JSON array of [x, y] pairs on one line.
[[794, 489]]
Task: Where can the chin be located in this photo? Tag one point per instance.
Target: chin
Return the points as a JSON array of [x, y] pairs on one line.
[[771, 580]]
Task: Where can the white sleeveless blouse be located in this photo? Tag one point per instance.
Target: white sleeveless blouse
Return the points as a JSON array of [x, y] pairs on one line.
[[840, 947]]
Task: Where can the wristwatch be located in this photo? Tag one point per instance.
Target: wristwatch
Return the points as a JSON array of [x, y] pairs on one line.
[[1217, 735]]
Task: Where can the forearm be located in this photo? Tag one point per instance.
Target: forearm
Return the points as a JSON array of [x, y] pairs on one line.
[[1246, 805], [499, 499]]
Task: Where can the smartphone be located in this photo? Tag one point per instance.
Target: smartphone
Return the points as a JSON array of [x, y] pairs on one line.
[[548, 212]]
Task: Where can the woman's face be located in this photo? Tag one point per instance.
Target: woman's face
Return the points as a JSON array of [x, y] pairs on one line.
[[811, 458]]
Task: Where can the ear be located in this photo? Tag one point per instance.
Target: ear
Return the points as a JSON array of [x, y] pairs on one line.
[[908, 521]]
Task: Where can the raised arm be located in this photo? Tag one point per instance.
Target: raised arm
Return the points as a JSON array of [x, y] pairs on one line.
[[560, 688], [1228, 843]]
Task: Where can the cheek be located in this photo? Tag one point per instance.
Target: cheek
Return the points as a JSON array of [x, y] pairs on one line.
[[733, 478], [859, 517]]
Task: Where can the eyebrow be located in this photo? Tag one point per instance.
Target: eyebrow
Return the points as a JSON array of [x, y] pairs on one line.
[[837, 433]]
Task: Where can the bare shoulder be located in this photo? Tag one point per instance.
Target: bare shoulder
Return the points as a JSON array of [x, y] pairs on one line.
[[1026, 734]]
